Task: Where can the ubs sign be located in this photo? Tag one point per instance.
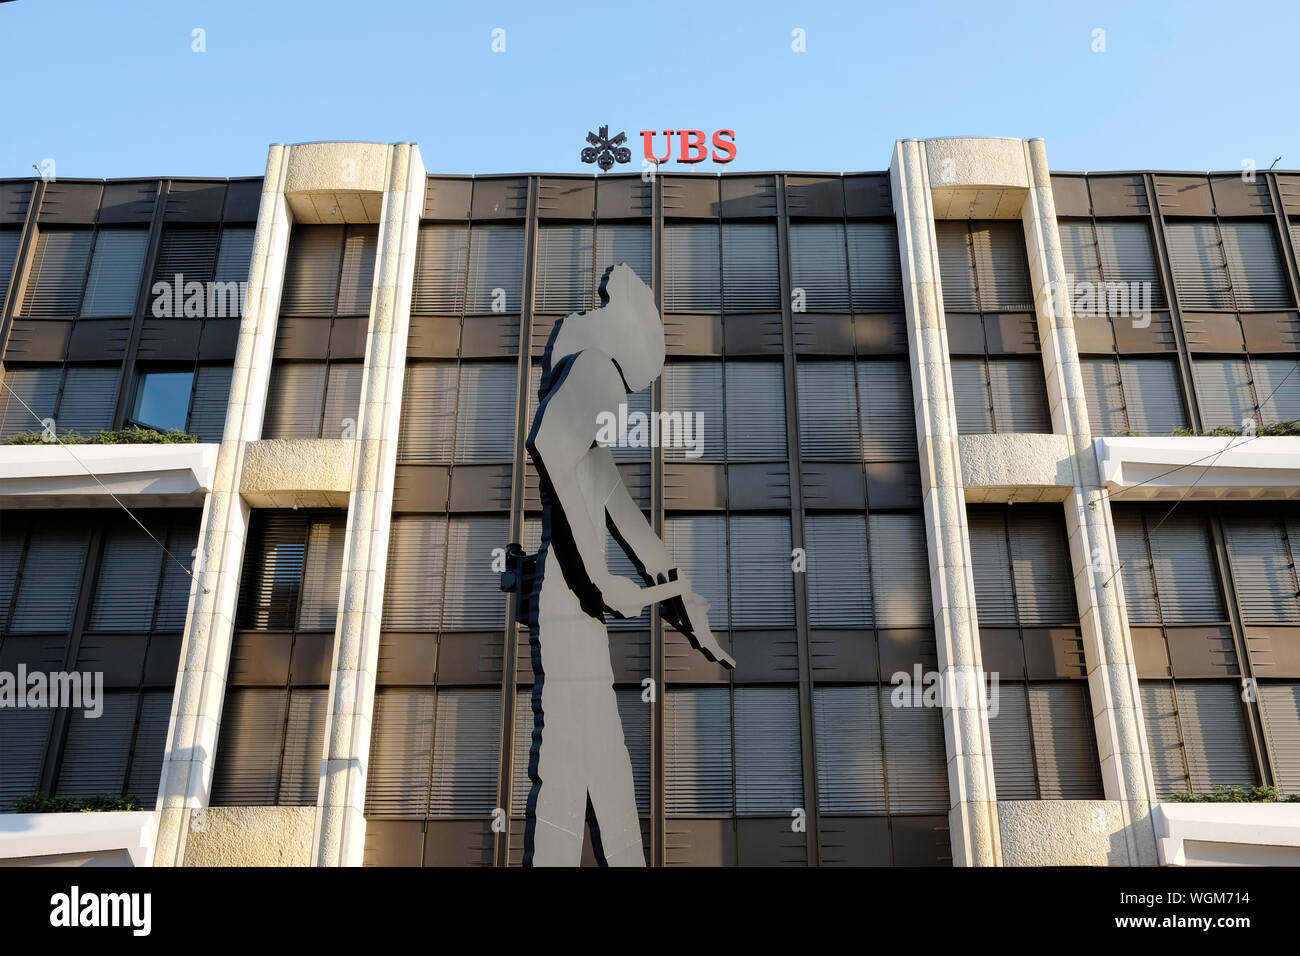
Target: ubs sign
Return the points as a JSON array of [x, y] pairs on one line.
[[605, 150]]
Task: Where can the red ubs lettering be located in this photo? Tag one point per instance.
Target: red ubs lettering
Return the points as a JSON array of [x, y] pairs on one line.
[[693, 143]]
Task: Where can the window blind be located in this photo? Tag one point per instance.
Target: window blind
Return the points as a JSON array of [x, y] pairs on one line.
[[1183, 558], [312, 271], [839, 585], [1280, 704], [991, 563], [1277, 382], [690, 388], [1040, 556], [692, 268], [57, 274], [1214, 735], [1164, 742], [23, 734], [750, 277], [1001, 266], [89, 394], [819, 266], [401, 751], [970, 392], [485, 413], [209, 403], [874, 270], [466, 744], [235, 254], [273, 569], [565, 256], [357, 276], [190, 253], [37, 389], [1127, 256], [916, 766], [304, 744], [1263, 569], [1200, 272], [50, 581], [900, 571], [1255, 265], [755, 419], [1136, 569], [828, 411], [249, 748], [697, 751], [1105, 397], [496, 270], [769, 776], [8, 254], [698, 546], [322, 573], [1019, 394], [417, 548], [1153, 396], [473, 599], [127, 585], [956, 268], [888, 415], [342, 400], [1012, 742], [96, 752], [440, 257], [850, 763], [429, 409], [1226, 395], [1065, 748], [295, 400], [762, 584]]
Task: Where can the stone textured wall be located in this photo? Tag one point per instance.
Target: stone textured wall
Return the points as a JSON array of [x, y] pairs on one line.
[[1063, 833], [251, 836]]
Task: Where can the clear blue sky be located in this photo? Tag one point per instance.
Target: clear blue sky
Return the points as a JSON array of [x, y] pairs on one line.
[[111, 88]]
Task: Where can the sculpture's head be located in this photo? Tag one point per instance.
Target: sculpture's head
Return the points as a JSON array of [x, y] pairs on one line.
[[626, 327]]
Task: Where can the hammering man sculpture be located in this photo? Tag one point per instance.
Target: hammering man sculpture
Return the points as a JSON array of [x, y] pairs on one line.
[[593, 361]]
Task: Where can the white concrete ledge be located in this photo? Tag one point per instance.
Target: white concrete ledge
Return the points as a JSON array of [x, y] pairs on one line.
[[80, 838], [1228, 834], [1234, 467], [64, 476], [1023, 468]]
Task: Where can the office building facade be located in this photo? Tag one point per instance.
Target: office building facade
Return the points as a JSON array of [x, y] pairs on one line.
[[994, 505]]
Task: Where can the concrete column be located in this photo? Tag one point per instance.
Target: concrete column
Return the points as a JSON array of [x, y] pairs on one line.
[[1108, 647], [973, 814], [209, 627], [340, 818]]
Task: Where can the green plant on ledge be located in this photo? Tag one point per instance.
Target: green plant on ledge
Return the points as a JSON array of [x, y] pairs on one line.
[[40, 803], [131, 435], [1226, 794], [1271, 430]]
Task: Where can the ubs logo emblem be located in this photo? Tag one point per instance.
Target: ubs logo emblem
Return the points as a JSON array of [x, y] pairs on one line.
[[606, 150]]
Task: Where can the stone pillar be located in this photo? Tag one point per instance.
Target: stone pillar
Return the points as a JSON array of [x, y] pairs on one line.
[[339, 838], [973, 814], [1108, 646], [209, 627]]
